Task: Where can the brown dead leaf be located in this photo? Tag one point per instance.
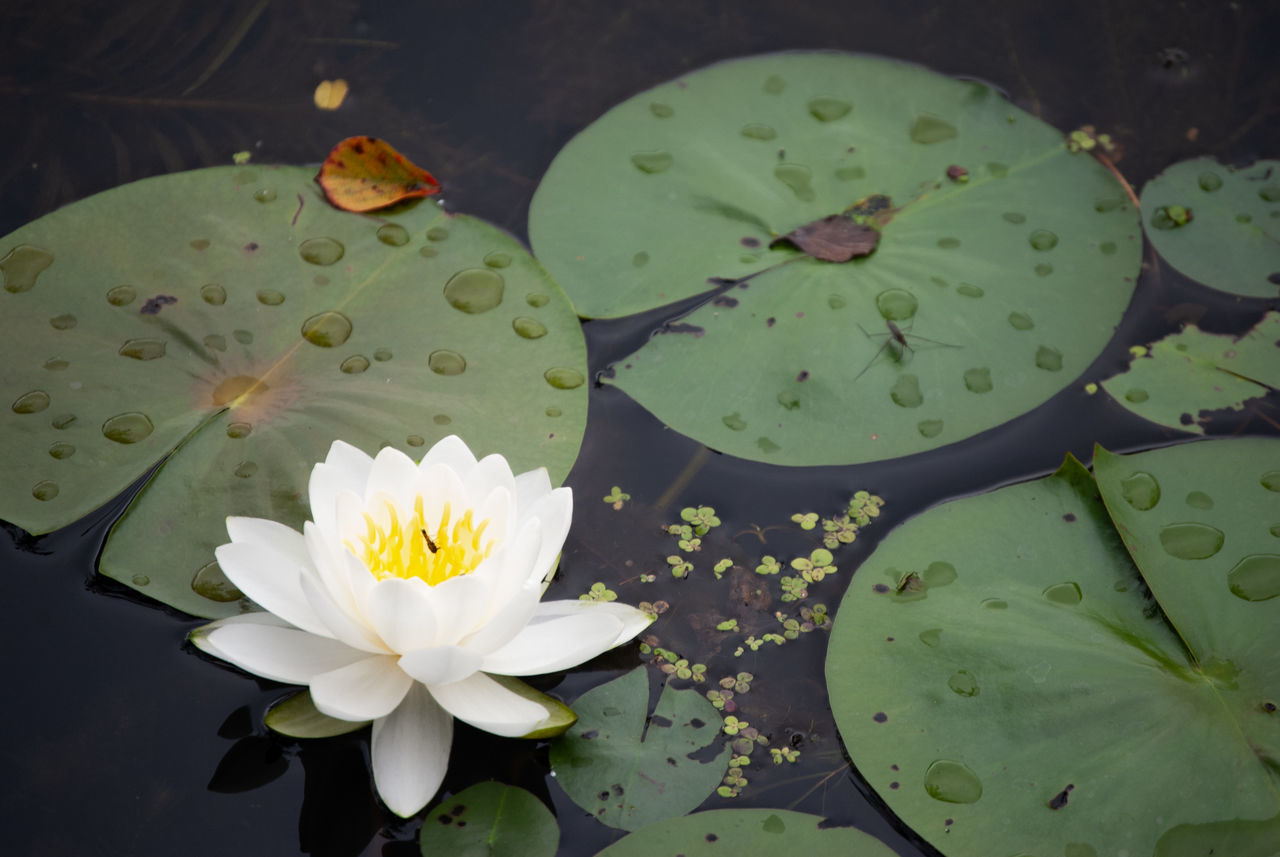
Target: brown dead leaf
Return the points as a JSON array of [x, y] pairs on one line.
[[365, 173], [834, 238]]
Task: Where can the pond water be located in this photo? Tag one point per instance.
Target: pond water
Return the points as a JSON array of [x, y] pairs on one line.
[[119, 739]]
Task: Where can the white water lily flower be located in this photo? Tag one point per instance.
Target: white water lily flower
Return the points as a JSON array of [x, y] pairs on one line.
[[412, 585]]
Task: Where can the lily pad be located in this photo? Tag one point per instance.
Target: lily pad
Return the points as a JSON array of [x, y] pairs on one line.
[[980, 300], [1001, 657], [298, 717], [747, 831], [1174, 380], [627, 769], [228, 325], [490, 820], [1218, 224]]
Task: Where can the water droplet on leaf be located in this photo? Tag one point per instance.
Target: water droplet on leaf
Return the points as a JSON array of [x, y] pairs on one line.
[[896, 304], [354, 364], [529, 328], [1191, 540], [121, 296], [1256, 577], [22, 265], [1140, 490], [31, 403], [445, 362], [932, 129], [962, 683], [213, 294], [130, 427], [44, 491], [906, 392], [1064, 593], [755, 131], [393, 235], [978, 380], [474, 290], [1043, 239], [327, 329], [265, 194], [952, 782], [829, 109], [563, 378], [321, 251], [652, 162], [797, 177], [1049, 359], [211, 583]]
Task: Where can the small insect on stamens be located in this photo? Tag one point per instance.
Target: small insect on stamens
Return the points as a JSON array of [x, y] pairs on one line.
[[430, 544]]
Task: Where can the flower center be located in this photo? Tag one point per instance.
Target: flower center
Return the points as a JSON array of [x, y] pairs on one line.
[[414, 548]]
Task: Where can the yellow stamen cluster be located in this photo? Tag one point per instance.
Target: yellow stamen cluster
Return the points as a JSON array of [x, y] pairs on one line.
[[412, 549]]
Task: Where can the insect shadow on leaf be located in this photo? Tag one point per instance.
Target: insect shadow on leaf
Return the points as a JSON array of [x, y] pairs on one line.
[[897, 344]]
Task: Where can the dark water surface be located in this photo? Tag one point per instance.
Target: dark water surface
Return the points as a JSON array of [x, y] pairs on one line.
[[118, 740]]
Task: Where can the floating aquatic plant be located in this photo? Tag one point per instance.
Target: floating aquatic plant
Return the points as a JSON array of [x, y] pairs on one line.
[[961, 304], [1095, 659], [224, 325]]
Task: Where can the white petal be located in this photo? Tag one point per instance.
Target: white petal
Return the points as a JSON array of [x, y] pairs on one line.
[[461, 605], [440, 664], [499, 509], [365, 690], [509, 570], [555, 643], [504, 622], [393, 473], [487, 705], [341, 624], [345, 468], [452, 453], [200, 636], [260, 530], [554, 512], [633, 620], [437, 484], [402, 614], [410, 752], [490, 472], [330, 566], [280, 653], [271, 577], [530, 486]]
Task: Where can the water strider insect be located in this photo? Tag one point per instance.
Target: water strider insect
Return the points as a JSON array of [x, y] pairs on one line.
[[897, 344]]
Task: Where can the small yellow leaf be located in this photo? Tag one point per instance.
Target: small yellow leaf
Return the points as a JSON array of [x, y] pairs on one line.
[[330, 93]]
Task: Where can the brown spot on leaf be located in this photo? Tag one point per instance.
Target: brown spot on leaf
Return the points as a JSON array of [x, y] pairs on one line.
[[1059, 800], [835, 238]]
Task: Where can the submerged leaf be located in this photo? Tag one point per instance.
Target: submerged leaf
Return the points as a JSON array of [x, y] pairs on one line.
[[1173, 381], [628, 770], [228, 326], [1002, 288], [1218, 224], [1043, 681], [365, 174]]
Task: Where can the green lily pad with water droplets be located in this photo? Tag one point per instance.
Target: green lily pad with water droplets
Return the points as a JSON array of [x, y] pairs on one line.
[[229, 325], [747, 832], [1001, 658], [1174, 381], [980, 300], [1228, 234], [628, 769], [490, 820]]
